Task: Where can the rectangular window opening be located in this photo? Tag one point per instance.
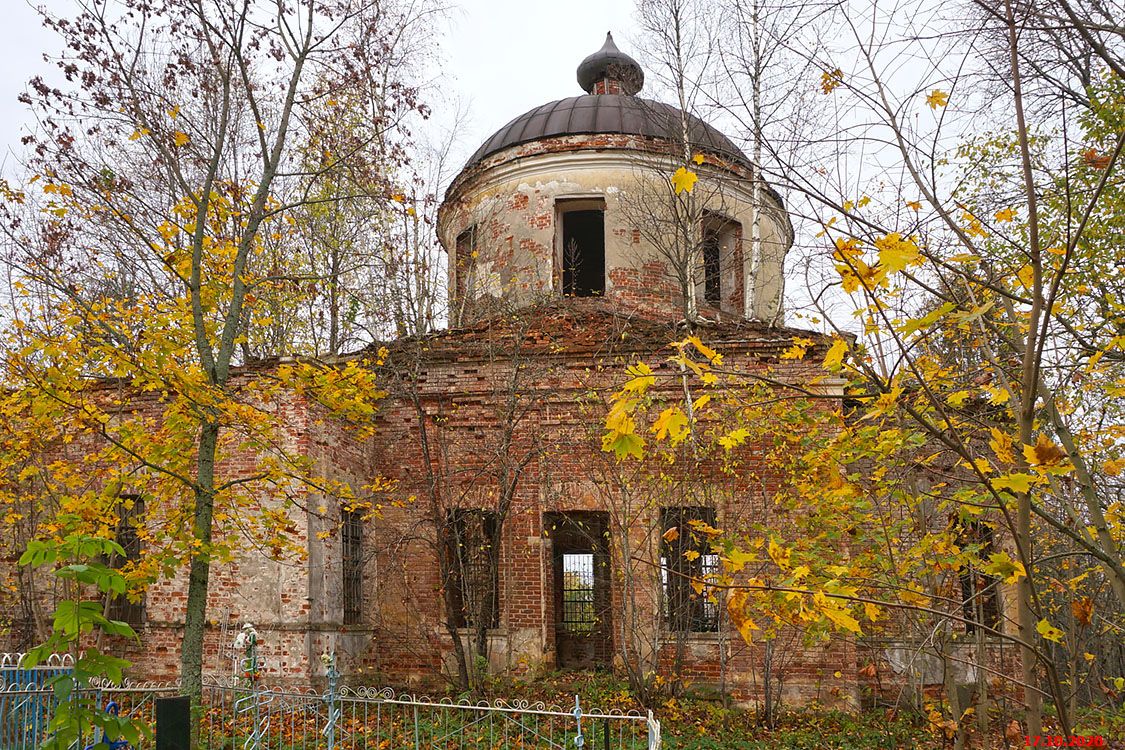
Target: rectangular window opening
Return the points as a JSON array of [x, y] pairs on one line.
[[719, 237], [351, 543], [131, 514], [583, 247], [579, 613], [687, 564], [712, 271], [476, 577], [463, 265], [980, 592]]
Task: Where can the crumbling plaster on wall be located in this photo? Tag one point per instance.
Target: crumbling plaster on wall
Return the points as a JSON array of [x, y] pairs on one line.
[[510, 201]]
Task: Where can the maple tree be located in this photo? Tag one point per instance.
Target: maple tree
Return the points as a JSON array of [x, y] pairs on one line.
[[984, 385], [143, 249]]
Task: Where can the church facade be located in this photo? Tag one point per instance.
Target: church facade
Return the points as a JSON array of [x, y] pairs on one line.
[[511, 542]]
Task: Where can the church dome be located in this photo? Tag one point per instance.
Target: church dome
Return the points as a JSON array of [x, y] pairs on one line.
[[611, 80], [594, 114]]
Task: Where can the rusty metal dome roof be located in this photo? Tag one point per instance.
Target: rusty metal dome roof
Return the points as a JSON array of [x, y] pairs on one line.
[[611, 63], [610, 114]]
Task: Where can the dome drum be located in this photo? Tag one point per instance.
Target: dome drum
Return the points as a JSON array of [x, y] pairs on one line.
[[519, 220]]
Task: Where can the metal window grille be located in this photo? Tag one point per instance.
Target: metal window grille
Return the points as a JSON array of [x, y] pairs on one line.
[[464, 247], [579, 615], [131, 514], [687, 565], [351, 538], [477, 584], [980, 594], [712, 268]]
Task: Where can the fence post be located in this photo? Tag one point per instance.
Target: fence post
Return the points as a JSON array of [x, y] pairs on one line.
[[173, 723], [653, 732], [333, 711], [579, 740]]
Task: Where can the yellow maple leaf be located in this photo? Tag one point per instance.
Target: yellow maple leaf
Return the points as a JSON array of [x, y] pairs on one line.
[[780, 555], [702, 527], [174, 112], [847, 248], [914, 205], [937, 98], [897, 252], [1001, 445], [798, 349], [834, 359], [180, 138], [1049, 631], [842, 619], [973, 226], [1006, 214], [1003, 566], [1044, 453], [830, 80], [734, 438], [997, 395], [640, 378], [746, 629], [672, 423], [1016, 482], [958, 398], [698, 158], [736, 559], [683, 181], [705, 351]]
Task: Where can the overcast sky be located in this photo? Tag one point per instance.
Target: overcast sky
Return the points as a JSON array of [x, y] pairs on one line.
[[502, 57]]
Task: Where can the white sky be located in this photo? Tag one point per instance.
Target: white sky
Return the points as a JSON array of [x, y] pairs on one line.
[[508, 56], [22, 43], [501, 57]]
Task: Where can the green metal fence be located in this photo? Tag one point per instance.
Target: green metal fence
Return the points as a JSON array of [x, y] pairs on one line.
[[244, 718]]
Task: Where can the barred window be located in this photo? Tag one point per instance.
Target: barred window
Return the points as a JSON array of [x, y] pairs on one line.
[[464, 249], [980, 592], [578, 610], [131, 514], [719, 237], [351, 539], [686, 565], [475, 578]]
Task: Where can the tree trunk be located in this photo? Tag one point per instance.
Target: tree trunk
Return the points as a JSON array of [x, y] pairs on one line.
[[447, 564], [1026, 417], [195, 617]]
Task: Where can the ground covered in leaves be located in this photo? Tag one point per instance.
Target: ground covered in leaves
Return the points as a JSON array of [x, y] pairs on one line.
[[699, 723]]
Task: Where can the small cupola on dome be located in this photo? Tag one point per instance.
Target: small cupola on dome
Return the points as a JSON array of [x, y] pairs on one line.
[[610, 71]]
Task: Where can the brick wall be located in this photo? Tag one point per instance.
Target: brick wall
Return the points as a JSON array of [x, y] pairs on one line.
[[479, 418]]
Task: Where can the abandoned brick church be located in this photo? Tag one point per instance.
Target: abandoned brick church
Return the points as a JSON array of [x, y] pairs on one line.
[[558, 278]]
